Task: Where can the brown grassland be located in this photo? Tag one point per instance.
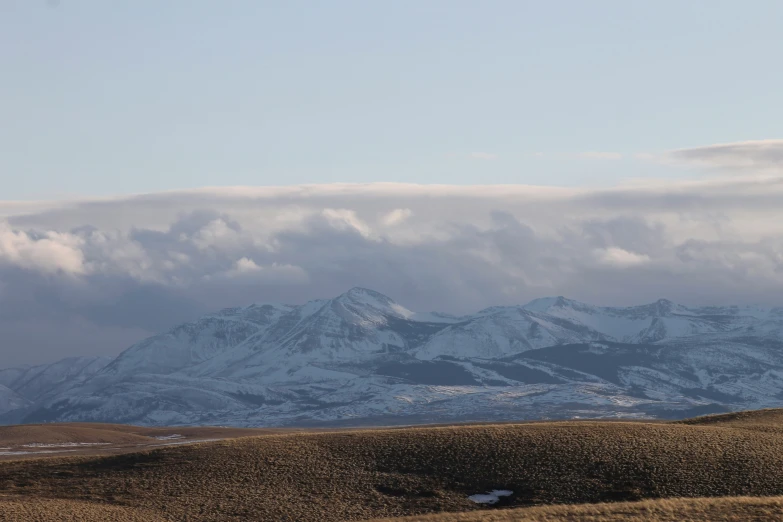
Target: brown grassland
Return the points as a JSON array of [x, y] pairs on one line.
[[721, 509], [32, 441], [113, 433], [386, 473]]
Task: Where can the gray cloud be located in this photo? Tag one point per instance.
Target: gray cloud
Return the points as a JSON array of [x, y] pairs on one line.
[[91, 277]]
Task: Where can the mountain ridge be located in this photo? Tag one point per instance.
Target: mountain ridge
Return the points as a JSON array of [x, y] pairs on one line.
[[361, 357]]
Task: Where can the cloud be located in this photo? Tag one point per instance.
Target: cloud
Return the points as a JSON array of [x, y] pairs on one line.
[[755, 155], [46, 251], [346, 220], [397, 216], [247, 270], [483, 156], [619, 257], [123, 268], [245, 265], [602, 155]]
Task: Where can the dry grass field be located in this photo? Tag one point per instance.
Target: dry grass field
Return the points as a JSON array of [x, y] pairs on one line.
[[722, 509], [769, 420], [385, 473], [48, 440], [115, 433]]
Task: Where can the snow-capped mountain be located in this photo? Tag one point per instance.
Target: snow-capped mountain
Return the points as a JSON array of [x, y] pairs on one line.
[[362, 358], [193, 343], [38, 382], [10, 400]]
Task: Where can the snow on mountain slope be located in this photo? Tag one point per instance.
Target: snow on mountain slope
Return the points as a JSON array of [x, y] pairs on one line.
[[770, 326], [10, 400], [615, 323], [36, 382], [364, 306], [193, 343], [356, 326], [435, 317], [361, 357], [9, 375], [503, 331], [648, 323]]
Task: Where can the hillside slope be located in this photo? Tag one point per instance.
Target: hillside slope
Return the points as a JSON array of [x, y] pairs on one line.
[[724, 509], [368, 474]]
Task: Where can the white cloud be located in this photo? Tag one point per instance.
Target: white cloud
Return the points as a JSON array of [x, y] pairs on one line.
[[483, 156], [747, 155], [397, 216], [619, 257], [47, 251], [602, 155], [246, 265], [346, 219], [246, 268]]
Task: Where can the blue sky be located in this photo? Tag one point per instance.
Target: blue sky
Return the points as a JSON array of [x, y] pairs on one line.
[[101, 98]]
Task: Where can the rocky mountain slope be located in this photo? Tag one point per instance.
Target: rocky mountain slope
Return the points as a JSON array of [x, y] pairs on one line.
[[362, 358]]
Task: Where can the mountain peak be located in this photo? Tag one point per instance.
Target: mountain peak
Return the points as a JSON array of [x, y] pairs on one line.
[[365, 297], [361, 292], [543, 304], [663, 307], [365, 303]]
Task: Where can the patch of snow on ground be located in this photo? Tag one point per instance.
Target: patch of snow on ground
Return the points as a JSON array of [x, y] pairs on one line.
[[12, 453], [492, 497], [178, 443], [64, 444], [169, 437]]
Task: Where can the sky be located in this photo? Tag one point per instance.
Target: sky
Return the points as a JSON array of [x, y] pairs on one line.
[[107, 98], [162, 160]]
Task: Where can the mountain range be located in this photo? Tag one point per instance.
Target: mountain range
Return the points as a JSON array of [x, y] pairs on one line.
[[361, 358]]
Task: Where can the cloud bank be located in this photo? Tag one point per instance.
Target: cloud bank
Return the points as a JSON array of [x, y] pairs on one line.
[[92, 277]]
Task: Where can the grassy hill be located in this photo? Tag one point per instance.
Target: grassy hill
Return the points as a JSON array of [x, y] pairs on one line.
[[722, 509], [368, 474]]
